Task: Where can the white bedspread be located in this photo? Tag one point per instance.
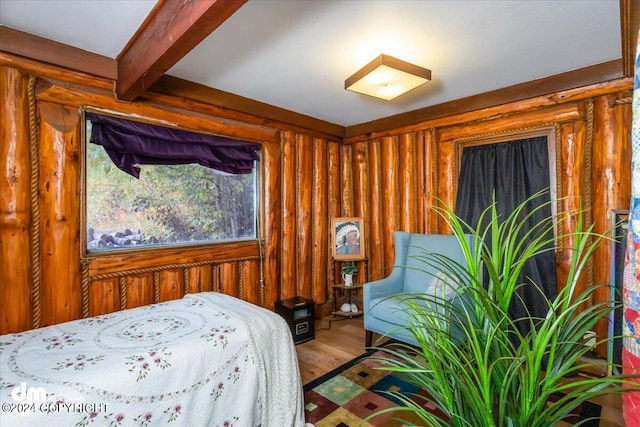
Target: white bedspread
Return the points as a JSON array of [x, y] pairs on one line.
[[205, 360]]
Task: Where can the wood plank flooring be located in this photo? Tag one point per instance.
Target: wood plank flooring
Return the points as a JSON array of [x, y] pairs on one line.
[[339, 340]]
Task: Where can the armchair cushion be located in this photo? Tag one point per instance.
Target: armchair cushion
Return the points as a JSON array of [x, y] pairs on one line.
[[443, 285], [418, 274]]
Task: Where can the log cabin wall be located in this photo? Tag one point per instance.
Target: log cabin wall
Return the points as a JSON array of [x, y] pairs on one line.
[[390, 178], [44, 277], [400, 174]]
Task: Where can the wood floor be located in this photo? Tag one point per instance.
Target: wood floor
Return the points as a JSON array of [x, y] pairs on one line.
[[339, 340]]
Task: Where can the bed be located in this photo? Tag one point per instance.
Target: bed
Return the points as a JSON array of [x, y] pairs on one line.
[[207, 359]]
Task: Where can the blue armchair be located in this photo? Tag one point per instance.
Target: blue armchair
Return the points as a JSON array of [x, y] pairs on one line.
[[384, 314]]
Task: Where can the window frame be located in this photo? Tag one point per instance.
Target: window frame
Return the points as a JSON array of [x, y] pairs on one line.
[[160, 248]]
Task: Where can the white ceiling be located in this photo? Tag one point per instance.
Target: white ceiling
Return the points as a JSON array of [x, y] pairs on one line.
[[297, 54]]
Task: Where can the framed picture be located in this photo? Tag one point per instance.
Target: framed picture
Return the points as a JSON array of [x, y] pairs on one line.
[[347, 238]]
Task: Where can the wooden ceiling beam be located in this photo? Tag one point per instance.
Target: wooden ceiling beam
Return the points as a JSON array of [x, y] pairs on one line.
[[169, 32]]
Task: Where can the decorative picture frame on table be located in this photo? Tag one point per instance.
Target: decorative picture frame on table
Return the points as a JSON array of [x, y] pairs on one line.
[[347, 238]]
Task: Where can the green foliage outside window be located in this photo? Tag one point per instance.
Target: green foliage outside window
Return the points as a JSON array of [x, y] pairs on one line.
[[183, 204]]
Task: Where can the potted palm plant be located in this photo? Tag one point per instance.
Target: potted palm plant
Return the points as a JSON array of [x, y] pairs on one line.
[[496, 375]]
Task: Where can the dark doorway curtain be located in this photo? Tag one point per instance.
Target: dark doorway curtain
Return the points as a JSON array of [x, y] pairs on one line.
[[515, 170]]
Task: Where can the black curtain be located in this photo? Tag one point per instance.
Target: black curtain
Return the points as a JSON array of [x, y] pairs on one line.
[[515, 170]]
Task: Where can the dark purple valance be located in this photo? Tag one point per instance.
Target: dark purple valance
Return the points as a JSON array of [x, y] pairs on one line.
[[130, 143]]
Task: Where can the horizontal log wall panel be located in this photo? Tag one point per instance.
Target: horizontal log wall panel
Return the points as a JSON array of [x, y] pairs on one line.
[[124, 261], [487, 114], [584, 77], [55, 73], [142, 111], [170, 91], [48, 51], [173, 92], [15, 202], [59, 189], [513, 122]]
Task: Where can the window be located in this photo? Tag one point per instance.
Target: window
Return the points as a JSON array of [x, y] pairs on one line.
[[181, 204]]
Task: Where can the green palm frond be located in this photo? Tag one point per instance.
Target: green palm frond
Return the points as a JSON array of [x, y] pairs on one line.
[[495, 375]]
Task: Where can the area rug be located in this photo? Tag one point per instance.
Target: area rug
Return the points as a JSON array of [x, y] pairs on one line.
[[350, 393]]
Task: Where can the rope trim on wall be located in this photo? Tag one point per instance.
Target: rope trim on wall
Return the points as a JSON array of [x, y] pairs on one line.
[[84, 287], [34, 190], [503, 132], [558, 152], [588, 217], [366, 206], [215, 278], [187, 280], [159, 268], [433, 191], [261, 271], [454, 178], [622, 101], [378, 172], [330, 271], [414, 179], [397, 207], [156, 287], [241, 279], [122, 282]]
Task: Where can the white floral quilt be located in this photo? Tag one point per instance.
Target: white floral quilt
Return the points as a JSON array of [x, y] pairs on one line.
[[205, 360]]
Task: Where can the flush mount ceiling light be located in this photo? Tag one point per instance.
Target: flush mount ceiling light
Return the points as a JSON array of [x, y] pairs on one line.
[[387, 78]]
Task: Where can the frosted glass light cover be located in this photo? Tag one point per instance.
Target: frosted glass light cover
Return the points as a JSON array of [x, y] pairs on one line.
[[387, 78]]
